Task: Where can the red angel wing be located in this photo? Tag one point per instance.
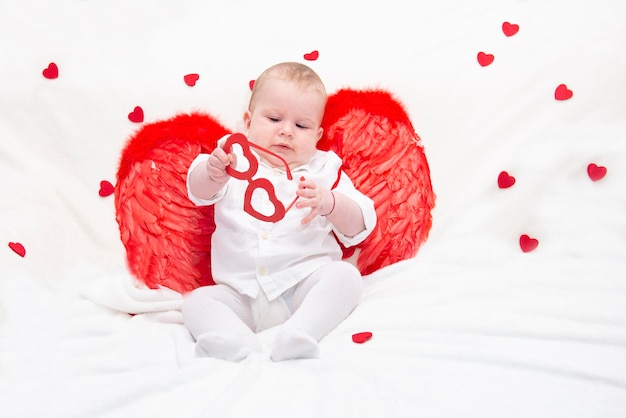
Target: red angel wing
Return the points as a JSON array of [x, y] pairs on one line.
[[382, 154], [166, 236]]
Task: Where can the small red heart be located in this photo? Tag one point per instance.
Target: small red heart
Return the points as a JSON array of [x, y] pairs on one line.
[[563, 93], [361, 337], [527, 244], [505, 180], [190, 79], [17, 248], [484, 59], [596, 172], [51, 72], [251, 84], [136, 115], [106, 189], [510, 29], [312, 56]]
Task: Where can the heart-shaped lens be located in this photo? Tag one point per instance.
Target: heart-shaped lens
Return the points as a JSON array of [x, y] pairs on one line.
[[253, 164], [265, 184]]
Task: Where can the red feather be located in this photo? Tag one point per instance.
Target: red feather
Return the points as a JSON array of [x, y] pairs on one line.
[[166, 236], [382, 154]]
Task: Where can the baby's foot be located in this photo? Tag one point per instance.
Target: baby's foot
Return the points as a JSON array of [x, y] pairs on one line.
[[293, 343], [228, 345]]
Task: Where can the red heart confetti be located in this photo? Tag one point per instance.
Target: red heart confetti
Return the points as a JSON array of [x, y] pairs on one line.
[[361, 337], [510, 29], [484, 59], [17, 248], [51, 72], [563, 93], [312, 56], [527, 244], [251, 84], [106, 189], [596, 172], [190, 79], [136, 115], [505, 180]]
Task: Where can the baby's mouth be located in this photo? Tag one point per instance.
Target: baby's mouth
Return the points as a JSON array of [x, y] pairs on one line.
[[281, 147]]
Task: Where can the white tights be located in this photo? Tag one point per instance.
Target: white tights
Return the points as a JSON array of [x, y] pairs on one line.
[[223, 322]]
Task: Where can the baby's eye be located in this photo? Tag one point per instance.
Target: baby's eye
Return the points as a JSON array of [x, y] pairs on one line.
[[273, 119], [301, 126]]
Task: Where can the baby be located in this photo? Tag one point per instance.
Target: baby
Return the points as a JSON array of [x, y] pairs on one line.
[[289, 272]]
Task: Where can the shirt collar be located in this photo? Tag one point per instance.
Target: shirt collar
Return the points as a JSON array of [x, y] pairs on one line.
[[315, 164]]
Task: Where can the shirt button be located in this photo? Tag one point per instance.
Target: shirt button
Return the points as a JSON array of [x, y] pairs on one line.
[[262, 270], [265, 235]]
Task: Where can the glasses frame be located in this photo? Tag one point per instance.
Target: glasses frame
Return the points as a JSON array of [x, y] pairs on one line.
[[261, 183]]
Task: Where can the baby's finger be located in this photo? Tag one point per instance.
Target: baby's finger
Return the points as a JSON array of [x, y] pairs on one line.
[[306, 193], [306, 184], [221, 155], [306, 203], [217, 175], [215, 163], [312, 214]]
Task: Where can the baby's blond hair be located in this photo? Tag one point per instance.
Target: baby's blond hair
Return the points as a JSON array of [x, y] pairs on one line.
[[290, 71]]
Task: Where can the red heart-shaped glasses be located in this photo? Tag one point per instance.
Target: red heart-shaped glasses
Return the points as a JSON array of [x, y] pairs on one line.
[[260, 183]]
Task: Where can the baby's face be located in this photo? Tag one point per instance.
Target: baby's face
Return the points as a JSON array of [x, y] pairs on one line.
[[285, 118]]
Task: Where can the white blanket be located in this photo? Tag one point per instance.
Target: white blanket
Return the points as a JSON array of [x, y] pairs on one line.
[[471, 327]]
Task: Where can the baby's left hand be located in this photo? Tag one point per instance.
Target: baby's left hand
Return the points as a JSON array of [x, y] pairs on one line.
[[319, 199]]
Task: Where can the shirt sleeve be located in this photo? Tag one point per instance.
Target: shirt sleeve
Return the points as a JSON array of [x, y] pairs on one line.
[[366, 204], [201, 159]]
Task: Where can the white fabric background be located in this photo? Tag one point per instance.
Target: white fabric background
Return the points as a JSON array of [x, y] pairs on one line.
[[472, 327]]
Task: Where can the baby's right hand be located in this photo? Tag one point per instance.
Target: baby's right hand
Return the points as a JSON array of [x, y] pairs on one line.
[[217, 163]]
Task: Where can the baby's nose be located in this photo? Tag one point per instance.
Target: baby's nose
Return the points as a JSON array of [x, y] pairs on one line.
[[286, 129]]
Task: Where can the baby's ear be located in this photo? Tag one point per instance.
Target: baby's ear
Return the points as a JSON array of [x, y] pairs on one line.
[[247, 117], [320, 132]]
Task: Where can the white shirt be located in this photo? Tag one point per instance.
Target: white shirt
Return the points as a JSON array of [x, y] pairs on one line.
[[251, 255]]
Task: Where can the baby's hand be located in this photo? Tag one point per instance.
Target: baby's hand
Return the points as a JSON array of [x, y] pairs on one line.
[[217, 163], [319, 199]]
